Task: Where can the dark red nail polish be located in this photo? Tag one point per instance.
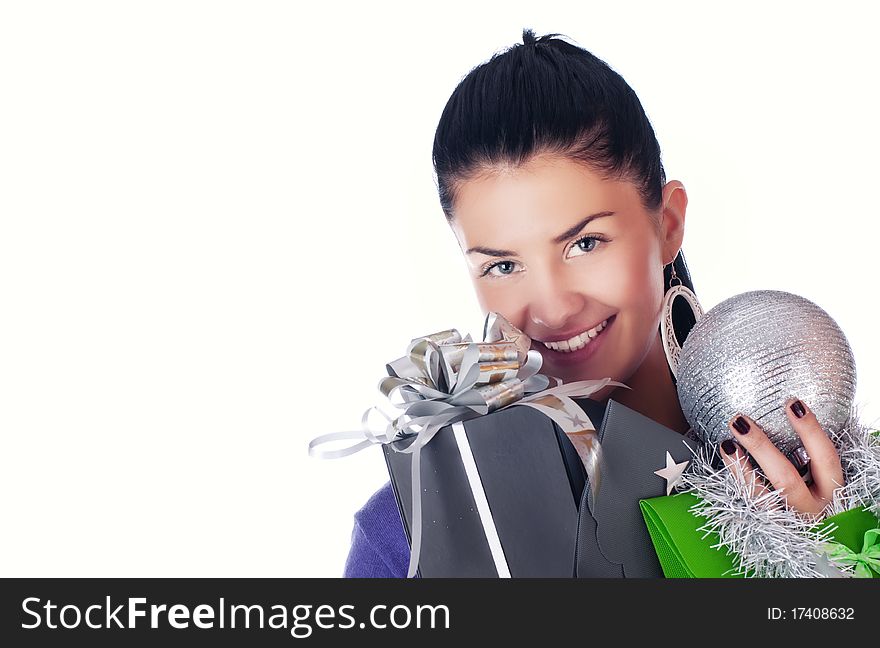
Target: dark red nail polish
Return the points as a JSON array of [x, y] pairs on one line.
[[728, 446], [798, 408], [742, 426]]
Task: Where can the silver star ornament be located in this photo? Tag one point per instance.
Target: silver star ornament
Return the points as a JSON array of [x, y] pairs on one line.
[[672, 472]]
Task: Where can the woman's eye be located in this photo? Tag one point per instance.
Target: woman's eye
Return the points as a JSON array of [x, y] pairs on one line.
[[500, 268], [583, 245]]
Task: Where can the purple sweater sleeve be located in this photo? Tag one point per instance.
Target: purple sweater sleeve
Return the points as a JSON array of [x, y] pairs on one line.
[[379, 548]]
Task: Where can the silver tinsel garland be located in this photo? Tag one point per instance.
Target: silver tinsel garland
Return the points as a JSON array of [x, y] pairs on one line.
[[768, 539]]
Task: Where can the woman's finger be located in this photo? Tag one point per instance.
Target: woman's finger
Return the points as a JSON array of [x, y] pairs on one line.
[[824, 459], [777, 469], [737, 461]]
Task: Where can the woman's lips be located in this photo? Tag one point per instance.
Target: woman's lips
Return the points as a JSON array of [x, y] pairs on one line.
[[574, 357]]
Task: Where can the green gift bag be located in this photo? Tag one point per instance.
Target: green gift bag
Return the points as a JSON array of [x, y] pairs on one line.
[[685, 552], [682, 550]]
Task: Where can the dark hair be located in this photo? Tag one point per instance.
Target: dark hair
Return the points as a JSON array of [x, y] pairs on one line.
[[545, 96]]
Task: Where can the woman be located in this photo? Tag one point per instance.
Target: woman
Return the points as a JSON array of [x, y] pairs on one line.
[[550, 176]]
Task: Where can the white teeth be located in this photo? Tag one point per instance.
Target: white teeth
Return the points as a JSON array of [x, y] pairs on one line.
[[578, 341]]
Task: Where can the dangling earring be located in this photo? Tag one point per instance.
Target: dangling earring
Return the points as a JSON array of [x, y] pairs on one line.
[[667, 327]]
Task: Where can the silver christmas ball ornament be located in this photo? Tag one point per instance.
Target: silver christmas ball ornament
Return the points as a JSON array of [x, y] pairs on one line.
[[753, 351]]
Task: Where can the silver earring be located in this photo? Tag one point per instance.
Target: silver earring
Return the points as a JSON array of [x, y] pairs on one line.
[[667, 329]]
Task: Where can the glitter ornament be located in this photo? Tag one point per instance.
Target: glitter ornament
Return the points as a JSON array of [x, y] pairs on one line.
[[752, 352]]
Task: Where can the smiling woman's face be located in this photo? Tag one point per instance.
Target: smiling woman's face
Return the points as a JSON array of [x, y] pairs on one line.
[[573, 260]]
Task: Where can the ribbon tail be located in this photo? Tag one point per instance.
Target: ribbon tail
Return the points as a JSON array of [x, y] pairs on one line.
[[593, 466], [416, 548], [342, 452], [479, 493], [862, 571]]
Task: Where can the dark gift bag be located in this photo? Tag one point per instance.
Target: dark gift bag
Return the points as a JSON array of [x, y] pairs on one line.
[[506, 494]]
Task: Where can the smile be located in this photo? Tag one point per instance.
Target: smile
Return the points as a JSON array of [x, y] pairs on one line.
[[577, 342]]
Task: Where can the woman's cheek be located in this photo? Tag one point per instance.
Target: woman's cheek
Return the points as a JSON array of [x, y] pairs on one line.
[[497, 299], [624, 284]]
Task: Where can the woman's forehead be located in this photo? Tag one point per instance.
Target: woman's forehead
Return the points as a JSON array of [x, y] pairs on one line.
[[541, 198]]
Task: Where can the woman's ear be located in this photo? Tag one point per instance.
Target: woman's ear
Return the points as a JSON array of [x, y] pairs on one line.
[[672, 214]]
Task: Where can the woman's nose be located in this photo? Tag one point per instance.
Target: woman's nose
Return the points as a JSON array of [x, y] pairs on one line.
[[554, 305]]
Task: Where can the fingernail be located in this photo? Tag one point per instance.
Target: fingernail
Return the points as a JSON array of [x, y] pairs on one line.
[[728, 446], [741, 425], [798, 408]]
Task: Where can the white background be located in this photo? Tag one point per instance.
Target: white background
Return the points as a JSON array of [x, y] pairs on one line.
[[219, 221]]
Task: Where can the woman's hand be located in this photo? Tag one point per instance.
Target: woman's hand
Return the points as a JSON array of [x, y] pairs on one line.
[[781, 473]]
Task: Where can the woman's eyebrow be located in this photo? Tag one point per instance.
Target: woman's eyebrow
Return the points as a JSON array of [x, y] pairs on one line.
[[490, 251], [567, 234], [571, 231]]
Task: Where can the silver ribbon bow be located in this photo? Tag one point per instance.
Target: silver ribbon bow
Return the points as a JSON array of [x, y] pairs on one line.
[[445, 378]]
